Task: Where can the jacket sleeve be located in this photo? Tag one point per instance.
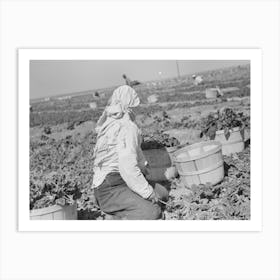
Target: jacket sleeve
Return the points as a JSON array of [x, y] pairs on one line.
[[128, 145]]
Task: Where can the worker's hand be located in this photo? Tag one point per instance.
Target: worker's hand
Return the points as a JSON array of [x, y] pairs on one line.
[[153, 197], [171, 173]]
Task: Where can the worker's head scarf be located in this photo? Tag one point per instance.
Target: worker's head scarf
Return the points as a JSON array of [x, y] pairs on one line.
[[121, 104]]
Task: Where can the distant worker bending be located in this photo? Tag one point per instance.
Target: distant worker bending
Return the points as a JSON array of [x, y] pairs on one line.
[[197, 80], [129, 82]]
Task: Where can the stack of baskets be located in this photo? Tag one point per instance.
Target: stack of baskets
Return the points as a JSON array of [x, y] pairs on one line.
[[202, 162]]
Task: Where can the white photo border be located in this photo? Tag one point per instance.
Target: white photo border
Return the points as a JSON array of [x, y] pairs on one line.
[[255, 58]]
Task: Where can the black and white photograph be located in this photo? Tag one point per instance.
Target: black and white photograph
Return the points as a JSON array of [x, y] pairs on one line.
[[140, 140]]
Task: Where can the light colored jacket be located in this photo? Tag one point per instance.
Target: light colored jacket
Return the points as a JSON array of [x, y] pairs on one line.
[[119, 150]]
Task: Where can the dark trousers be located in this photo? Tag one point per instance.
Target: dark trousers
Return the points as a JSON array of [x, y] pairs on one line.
[[114, 197]]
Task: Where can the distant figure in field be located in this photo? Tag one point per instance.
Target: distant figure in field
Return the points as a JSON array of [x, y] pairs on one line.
[[96, 94], [197, 80], [219, 92], [129, 82]]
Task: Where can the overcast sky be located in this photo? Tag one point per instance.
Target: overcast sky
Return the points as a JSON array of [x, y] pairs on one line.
[[55, 77]]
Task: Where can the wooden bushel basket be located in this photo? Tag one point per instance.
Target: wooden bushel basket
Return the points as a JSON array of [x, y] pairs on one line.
[[211, 93], [55, 212], [200, 163], [235, 142], [171, 151]]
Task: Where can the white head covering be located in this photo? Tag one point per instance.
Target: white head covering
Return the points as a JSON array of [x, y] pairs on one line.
[[123, 99]]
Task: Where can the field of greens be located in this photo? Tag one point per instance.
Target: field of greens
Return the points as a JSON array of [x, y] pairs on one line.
[[62, 139]]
